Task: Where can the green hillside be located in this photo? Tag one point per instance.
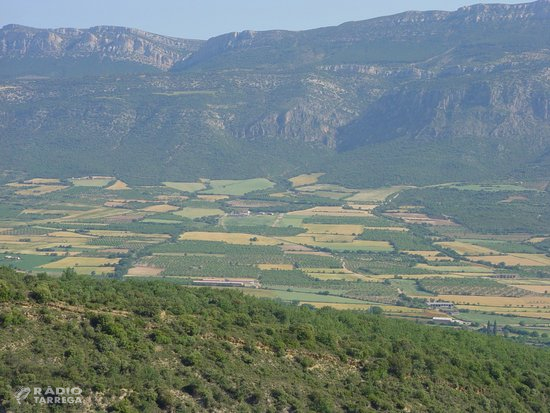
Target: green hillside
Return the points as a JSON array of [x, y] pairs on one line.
[[151, 346]]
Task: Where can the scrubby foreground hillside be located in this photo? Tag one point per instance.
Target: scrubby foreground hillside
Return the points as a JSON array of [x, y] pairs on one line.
[[158, 346]]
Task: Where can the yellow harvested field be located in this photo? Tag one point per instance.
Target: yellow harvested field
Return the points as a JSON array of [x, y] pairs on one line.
[[81, 262], [528, 260], [230, 238], [331, 211], [41, 190], [334, 229], [161, 208], [279, 267], [542, 289], [396, 229], [465, 248], [67, 234], [117, 186], [43, 181], [212, 198], [522, 302], [305, 179], [375, 195], [141, 270], [536, 240]]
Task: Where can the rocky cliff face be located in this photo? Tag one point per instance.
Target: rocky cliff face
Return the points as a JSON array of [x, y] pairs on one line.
[[116, 43], [475, 80]]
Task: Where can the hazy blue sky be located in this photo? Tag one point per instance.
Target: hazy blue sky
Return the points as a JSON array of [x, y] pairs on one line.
[[201, 19]]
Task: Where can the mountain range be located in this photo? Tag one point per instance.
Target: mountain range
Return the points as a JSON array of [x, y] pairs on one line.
[[419, 97]]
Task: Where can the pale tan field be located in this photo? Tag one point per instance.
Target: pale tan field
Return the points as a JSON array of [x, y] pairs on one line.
[[375, 195], [161, 208], [429, 255], [114, 204], [455, 268], [542, 289], [98, 181], [43, 181], [520, 312], [416, 218], [465, 248], [334, 229], [126, 234], [95, 270], [333, 274], [396, 229], [521, 302], [41, 190], [351, 306], [331, 211], [331, 238], [144, 271], [338, 245], [279, 194], [166, 198], [117, 186], [115, 250], [528, 260], [536, 240], [362, 207], [81, 262], [230, 238], [67, 234], [280, 267], [305, 179], [212, 198]]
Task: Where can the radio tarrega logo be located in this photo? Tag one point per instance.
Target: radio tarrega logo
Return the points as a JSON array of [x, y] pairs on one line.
[[50, 395], [22, 393]]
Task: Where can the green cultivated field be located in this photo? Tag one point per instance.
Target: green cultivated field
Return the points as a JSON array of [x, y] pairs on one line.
[[299, 245]]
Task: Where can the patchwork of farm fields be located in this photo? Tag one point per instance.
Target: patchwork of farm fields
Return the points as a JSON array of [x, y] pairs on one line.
[[302, 241]]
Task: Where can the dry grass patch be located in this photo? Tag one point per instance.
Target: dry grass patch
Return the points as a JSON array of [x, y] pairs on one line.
[[375, 195], [494, 301], [141, 270], [81, 262], [212, 198], [536, 240], [541, 289], [41, 190], [278, 267], [161, 208], [305, 179], [465, 248], [43, 181], [331, 211], [334, 229], [527, 260], [67, 234], [418, 218], [117, 186]]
